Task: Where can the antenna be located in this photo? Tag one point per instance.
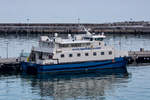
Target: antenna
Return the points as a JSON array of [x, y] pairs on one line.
[[87, 31]]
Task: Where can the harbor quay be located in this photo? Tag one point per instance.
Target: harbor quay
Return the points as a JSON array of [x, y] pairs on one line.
[[9, 65], [71, 28], [134, 58]]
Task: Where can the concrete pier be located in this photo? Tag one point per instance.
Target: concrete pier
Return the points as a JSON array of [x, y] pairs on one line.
[[9, 60], [9, 65], [139, 56], [71, 28]]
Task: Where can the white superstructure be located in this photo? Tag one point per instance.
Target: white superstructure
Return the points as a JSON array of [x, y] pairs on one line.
[[80, 48]]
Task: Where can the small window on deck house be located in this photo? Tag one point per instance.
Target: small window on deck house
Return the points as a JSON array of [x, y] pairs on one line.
[[50, 56], [62, 55], [94, 53], [86, 54], [70, 55], [78, 54], [91, 39], [63, 45], [102, 53], [110, 52]]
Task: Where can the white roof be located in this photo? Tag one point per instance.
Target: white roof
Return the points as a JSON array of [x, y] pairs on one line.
[[98, 36], [68, 41], [95, 36]]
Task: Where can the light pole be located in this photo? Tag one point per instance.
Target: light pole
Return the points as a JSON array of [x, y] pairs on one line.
[[79, 25], [28, 33], [7, 49], [78, 20], [27, 27]]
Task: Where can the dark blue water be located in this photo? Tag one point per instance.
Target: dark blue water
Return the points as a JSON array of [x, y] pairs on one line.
[[76, 87]]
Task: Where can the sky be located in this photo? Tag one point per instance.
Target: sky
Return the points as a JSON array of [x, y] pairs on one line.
[[73, 11]]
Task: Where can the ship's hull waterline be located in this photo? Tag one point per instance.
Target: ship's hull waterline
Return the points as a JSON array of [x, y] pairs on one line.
[[89, 66]]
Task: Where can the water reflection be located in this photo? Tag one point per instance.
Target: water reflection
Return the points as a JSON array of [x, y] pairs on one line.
[[83, 86]]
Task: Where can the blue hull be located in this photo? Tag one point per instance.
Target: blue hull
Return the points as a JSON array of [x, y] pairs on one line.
[[75, 67]]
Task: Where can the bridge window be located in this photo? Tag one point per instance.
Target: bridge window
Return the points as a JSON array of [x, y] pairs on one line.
[[102, 53], [91, 39], [62, 55], [86, 38], [98, 39], [94, 53]]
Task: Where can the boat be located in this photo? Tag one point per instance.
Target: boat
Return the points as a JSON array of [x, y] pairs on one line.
[[79, 53]]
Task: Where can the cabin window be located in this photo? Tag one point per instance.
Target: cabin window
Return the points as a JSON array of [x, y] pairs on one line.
[[78, 54], [70, 55], [50, 56], [99, 43], [63, 45], [85, 44], [110, 52], [86, 38], [94, 53], [98, 39], [33, 57], [60, 45], [102, 53], [91, 39], [76, 45], [62, 55], [86, 54]]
